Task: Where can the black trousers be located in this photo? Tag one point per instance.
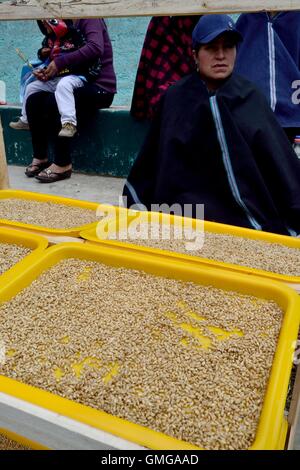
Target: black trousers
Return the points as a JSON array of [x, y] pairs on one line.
[[44, 119]]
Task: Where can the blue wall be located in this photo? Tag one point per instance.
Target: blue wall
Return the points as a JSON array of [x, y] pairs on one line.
[[127, 36]]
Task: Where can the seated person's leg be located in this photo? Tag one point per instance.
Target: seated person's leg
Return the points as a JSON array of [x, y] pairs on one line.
[[61, 168], [32, 88], [89, 99], [35, 108], [64, 96]]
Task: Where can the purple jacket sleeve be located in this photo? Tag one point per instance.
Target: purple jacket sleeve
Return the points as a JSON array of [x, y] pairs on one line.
[[93, 49]]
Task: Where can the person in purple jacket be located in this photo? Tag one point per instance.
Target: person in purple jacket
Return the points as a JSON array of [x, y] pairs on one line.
[[60, 38], [43, 113]]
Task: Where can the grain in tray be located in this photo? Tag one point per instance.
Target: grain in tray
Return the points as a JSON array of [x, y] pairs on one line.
[[45, 214], [8, 444], [258, 254], [180, 358], [10, 254]]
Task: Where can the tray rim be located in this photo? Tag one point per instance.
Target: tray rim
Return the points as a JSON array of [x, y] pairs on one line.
[[37, 243], [41, 197], [213, 227], [271, 422]]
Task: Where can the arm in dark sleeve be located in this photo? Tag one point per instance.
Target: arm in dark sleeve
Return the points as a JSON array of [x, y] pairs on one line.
[[93, 32]]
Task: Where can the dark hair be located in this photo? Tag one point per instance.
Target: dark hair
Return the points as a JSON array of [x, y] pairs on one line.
[[197, 47]]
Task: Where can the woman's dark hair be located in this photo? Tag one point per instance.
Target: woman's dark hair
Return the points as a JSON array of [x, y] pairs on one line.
[[197, 47]]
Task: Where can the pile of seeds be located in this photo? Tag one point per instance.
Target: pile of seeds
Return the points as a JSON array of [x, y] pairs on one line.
[[257, 254], [8, 444], [10, 254], [45, 214], [180, 358]]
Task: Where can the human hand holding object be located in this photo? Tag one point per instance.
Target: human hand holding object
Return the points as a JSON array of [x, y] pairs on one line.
[[50, 71], [40, 74]]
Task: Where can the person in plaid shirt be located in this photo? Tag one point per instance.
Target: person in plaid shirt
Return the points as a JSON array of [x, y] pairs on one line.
[[166, 57]]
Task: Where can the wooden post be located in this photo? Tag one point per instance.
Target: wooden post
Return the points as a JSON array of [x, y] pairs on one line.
[[4, 182], [37, 9]]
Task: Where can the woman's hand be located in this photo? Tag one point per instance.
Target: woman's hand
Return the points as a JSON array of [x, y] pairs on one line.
[[50, 71], [40, 74]]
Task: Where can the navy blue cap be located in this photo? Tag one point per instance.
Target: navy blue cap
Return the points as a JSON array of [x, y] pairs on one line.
[[209, 27]]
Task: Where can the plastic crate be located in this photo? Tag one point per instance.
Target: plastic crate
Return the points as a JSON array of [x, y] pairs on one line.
[[28, 240], [73, 231], [113, 226], [272, 426]]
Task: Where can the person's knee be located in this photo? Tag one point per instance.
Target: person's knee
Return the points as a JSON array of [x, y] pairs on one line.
[[31, 88], [36, 104], [64, 85]]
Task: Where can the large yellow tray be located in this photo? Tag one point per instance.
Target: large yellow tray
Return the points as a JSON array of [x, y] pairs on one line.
[[272, 427], [73, 231], [28, 240], [114, 225]]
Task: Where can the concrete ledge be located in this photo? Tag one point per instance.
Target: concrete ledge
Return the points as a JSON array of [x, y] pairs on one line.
[[108, 146]]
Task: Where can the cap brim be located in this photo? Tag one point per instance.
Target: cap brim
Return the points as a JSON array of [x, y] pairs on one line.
[[210, 37]]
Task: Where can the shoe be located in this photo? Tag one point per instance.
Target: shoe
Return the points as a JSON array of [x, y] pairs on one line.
[[35, 168], [19, 125], [48, 176], [68, 130]]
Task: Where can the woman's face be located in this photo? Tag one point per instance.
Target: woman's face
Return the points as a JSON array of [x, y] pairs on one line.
[[216, 60]]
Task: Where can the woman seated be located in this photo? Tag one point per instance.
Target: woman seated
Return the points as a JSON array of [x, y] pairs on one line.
[[215, 141], [96, 92]]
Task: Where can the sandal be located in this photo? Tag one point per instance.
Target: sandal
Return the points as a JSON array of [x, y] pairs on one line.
[[35, 168], [48, 176]]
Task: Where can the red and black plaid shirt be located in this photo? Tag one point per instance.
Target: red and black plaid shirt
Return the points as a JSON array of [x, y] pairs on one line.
[[166, 57]]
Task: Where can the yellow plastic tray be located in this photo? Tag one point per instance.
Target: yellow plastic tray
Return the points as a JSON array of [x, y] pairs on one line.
[[272, 427], [28, 240], [114, 225], [73, 231]]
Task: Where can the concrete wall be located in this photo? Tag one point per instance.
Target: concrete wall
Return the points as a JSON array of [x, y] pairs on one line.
[[109, 147]]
